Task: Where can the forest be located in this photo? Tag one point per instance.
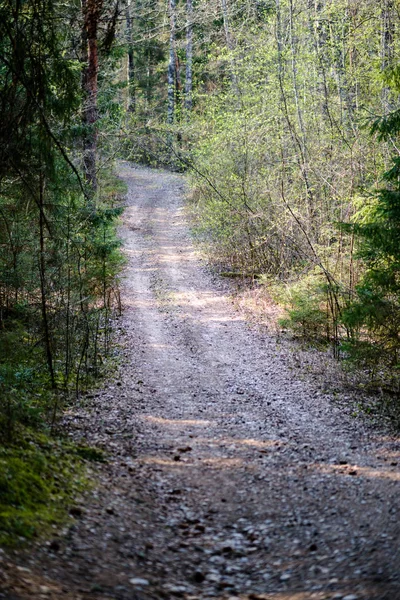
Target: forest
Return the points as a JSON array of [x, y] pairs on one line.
[[283, 116]]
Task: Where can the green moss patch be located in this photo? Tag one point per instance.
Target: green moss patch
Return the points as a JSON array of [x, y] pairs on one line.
[[40, 479]]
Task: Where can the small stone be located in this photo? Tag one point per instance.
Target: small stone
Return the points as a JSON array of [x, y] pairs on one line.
[[139, 582], [54, 546], [198, 577], [213, 577], [176, 590], [44, 589], [313, 548], [350, 597]]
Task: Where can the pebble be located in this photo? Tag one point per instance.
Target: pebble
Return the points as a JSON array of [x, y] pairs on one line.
[[213, 577], [138, 581], [175, 589]]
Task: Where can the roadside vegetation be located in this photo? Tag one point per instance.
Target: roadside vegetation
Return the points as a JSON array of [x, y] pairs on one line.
[[59, 255]]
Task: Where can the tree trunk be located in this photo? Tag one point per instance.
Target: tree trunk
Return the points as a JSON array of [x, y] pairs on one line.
[[387, 34], [91, 10], [43, 290], [230, 46], [189, 56], [131, 64], [302, 138], [171, 64]]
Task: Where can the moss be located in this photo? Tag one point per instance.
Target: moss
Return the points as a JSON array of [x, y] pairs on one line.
[[40, 479], [91, 453]]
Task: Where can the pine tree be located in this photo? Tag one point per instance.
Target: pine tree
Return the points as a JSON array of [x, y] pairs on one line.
[[375, 312]]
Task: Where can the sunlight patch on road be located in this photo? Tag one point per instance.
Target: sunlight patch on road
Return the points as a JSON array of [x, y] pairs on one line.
[[180, 422], [159, 346], [213, 462], [226, 463], [355, 470], [230, 441], [253, 443]]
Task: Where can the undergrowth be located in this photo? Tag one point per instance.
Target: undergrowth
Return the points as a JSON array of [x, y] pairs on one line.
[[42, 474]]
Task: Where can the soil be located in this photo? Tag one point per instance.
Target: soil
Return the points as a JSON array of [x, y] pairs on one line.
[[230, 475]]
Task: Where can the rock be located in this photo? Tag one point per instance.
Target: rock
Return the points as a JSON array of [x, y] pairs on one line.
[[176, 590], [350, 597], [139, 582], [313, 548], [213, 577], [198, 577], [54, 546]]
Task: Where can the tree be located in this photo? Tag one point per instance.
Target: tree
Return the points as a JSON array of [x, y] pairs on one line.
[[189, 56], [375, 310], [91, 10], [52, 243]]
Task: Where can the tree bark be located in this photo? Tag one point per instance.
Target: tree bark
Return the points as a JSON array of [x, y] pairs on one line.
[[131, 63], [91, 10], [230, 45], [171, 64], [387, 35], [189, 56], [43, 288]]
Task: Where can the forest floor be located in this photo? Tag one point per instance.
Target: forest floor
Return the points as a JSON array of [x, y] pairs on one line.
[[230, 474]]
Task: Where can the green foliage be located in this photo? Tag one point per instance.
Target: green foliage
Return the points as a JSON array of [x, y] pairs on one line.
[[279, 148], [59, 254], [307, 309], [375, 311]]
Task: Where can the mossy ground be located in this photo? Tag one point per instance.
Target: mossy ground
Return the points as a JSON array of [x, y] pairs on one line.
[[40, 479]]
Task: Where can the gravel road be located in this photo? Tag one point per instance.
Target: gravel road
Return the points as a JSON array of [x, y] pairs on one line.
[[229, 477]]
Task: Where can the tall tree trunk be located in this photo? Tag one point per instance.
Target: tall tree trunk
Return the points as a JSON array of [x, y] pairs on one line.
[[91, 10], [230, 45], [178, 82], [189, 56], [131, 63], [43, 288], [302, 138], [387, 35], [171, 64]]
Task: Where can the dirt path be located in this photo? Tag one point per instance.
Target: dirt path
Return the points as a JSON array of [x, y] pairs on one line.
[[228, 476]]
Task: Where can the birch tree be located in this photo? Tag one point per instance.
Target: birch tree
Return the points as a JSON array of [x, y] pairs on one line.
[[189, 56]]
